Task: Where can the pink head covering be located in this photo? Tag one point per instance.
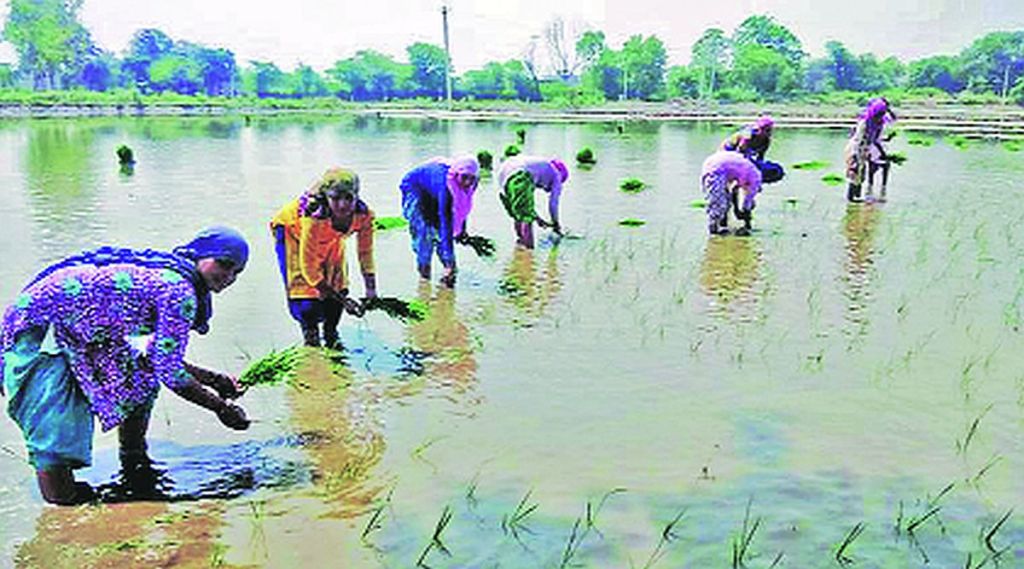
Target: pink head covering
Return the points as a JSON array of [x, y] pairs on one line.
[[764, 121], [463, 175], [877, 107], [561, 168]]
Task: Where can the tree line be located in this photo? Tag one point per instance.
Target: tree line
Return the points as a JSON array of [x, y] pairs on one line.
[[761, 60]]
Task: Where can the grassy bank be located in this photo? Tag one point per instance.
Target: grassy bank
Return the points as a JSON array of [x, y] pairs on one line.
[[969, 117]]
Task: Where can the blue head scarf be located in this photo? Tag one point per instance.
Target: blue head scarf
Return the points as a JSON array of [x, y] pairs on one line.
[[216, 242]]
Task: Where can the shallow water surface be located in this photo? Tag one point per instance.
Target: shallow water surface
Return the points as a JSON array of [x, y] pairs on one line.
[[631, 396]]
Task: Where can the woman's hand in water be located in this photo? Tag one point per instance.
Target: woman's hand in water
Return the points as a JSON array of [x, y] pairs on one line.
[[233, 417]]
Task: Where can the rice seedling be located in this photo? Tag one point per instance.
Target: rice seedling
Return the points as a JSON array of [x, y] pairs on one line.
[[699, 203], [632, 185], [1014, 144], [435, 540], [668, 535], [958, 141], [833, 179], [515, 522], [851, 536], [377, 517], [984, 470], [961, 447], [386, 223], [482, 246], [405, 310], [512, 150], [741, 543], [471, 499], [811, 165], [521, 135], [589, 522], [485, 159], [273, 368], [631, 222], [918, 140], [897, 158], [586, 156], [991, 533]]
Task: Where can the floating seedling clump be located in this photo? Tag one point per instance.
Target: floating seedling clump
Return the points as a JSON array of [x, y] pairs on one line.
[[1014, 145], [512, 150], [125, 156], [386, 223], [586, 156], [485, 159], [811, 165], [958, 141], [897, 158], [631, 222], [521, 135], [918, 140], [273, 368], [699, 203], [832, 179], [405, 310], [632, 185]]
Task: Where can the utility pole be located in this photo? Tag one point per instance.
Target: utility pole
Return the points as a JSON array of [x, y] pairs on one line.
[[448, 54]]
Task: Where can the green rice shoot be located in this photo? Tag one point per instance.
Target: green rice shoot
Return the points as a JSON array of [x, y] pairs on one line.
[[273, 368], [631, 222], [389, 222], [832, 179], [811, 165], [632, 185]]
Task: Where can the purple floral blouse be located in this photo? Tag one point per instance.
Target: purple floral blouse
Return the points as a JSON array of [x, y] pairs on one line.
[[93, 310]]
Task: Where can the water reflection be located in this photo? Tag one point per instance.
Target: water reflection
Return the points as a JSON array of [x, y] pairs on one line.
[[521, 286], [859, 227], [443, 335], [730, 276], [141, 534], [344, 442]]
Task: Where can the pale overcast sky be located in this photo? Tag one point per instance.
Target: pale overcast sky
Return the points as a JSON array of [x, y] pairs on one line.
[[319, 32]]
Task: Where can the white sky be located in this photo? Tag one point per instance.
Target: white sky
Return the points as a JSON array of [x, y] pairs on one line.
[[319, 32]]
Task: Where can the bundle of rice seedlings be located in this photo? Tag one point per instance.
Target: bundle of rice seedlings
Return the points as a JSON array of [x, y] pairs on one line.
[[632, 185], [273, 368], [832, 179], [386, 223], [404, 310]]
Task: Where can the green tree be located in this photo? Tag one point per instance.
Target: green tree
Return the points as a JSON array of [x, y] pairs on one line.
[[306, 82], [51, 43], [146, 46], [369, 75], [428, 68], [844, 67], [644, 63], [175, 73], [486, 83], [765, 70], [941, 71], [264, 79], [589, 48], [766, 32], [6, 76], [994, 62], [685, 82], [710, 58]]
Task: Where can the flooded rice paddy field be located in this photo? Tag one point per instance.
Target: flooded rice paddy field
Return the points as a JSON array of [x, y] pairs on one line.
[[845, 384]]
